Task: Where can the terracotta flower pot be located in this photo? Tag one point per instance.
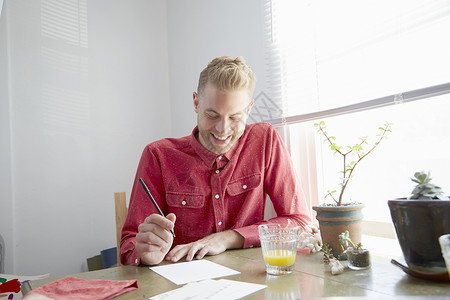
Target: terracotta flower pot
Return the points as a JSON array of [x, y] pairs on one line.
[[334, 220], [418, 225]]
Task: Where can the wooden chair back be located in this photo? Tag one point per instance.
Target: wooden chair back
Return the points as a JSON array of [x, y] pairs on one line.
[[121, 215]]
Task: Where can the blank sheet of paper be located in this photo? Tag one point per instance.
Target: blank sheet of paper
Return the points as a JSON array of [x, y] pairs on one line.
[[210, 289], [181, 273]]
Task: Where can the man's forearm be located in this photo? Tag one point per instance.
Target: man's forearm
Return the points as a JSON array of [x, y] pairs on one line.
[[233, 240]]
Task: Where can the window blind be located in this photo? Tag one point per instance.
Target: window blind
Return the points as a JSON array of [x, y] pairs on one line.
[[325, 58], [400, 98]]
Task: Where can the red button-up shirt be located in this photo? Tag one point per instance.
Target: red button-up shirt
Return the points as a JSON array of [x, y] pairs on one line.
[[211, 193]]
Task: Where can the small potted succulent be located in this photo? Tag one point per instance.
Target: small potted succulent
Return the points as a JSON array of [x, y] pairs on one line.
[[419, 220], [425, 190], [342, 215], [358, 257]]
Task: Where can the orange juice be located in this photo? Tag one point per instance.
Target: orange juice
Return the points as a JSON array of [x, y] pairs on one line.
[[280, 258]]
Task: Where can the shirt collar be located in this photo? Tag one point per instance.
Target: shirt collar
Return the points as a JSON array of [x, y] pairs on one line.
[[208, 157]]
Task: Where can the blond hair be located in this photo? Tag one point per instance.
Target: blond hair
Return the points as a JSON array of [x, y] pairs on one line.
[[227, 74]]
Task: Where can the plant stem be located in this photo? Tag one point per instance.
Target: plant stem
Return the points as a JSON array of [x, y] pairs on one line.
[[345, 178]]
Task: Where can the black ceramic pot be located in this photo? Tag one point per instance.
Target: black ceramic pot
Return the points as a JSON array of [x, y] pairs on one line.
[[418, 224]]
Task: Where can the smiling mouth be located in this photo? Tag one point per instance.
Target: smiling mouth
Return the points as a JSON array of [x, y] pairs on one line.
[[219, 138]]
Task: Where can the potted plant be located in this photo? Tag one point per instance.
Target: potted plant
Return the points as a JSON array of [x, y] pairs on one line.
[[358, 257], [342, 216], [419, 220]]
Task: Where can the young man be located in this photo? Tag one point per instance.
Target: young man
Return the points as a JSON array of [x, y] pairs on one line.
[[212, 185]]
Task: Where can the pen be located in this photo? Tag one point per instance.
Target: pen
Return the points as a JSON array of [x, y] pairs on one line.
[[153, 201]]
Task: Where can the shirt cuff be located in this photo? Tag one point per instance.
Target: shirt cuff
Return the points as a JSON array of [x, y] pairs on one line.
[[136, 259], [251, 236], [131, 257]]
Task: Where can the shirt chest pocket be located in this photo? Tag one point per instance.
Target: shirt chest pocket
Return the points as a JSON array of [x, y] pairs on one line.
[[244, 184], [185, 200]]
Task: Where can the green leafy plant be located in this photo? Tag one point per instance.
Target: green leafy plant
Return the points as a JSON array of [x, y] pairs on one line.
[[351, 155], [424, 190]]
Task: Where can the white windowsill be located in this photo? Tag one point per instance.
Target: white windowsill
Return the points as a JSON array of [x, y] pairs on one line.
[[380, 246]]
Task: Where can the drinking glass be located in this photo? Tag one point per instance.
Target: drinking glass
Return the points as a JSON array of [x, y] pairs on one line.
[[279, 247]]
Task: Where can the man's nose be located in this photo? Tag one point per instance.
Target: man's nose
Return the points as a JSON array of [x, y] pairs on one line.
[[223, 125]]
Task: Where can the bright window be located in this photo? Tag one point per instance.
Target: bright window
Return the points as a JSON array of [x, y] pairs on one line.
[[420, 140], [326, 55]]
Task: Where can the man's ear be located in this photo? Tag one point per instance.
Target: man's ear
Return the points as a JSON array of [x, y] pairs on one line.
[[249, 107], [195, 101]]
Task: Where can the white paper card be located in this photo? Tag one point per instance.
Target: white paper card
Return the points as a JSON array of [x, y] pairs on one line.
[[181, 273], [211, 289]]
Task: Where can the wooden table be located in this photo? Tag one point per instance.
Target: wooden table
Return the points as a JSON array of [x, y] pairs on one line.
[[311, 279]]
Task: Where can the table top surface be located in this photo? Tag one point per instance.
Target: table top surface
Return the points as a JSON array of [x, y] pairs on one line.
[[311, 279]]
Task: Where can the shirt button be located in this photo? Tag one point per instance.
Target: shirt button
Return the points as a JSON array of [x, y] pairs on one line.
[[217, 196], [220, 157], [244, 186], [217, 171], [183, 202], [220, 223], [136, 261]]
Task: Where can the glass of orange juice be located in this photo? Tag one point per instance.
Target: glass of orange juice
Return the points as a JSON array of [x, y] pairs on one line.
[[279, 247]]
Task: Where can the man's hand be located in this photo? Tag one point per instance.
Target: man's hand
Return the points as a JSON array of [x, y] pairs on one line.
[[211, 245], [154, 238]]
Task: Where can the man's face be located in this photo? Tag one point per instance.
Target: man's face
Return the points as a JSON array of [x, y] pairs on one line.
[[221, 117]]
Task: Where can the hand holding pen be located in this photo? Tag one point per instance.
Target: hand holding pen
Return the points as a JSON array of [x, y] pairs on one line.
[[153, 201], [155, 235]]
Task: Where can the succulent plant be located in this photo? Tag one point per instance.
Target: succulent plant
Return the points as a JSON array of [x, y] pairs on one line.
[[424, 190], [346, 242]]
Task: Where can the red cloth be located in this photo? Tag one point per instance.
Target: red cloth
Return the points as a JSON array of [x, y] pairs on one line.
[[73, 288], [211, 193], [10, 286]]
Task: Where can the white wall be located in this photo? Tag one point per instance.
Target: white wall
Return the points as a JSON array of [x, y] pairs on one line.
[[201, 30], [6, 203], [88, 90], [85, 99]]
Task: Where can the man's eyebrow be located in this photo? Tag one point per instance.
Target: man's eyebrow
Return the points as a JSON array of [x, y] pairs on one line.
[[215, 112], [211, 111]]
